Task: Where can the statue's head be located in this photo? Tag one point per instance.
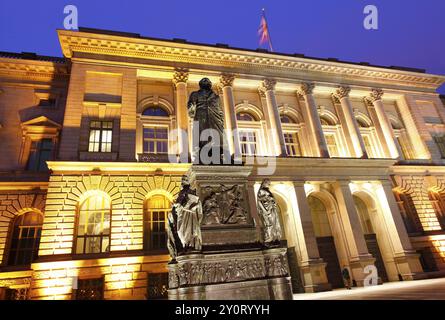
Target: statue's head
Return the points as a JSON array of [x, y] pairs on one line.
[[185, 180], [265, 183], [205, 83]]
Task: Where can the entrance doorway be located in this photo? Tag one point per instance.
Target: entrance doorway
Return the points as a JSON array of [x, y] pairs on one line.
[[325, 241], [370, 237]]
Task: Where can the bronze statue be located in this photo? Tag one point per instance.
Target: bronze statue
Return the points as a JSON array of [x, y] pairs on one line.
[[268, 212], [204, 108]]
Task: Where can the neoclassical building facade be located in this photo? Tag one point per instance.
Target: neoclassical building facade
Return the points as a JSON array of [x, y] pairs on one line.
[[90, 162]]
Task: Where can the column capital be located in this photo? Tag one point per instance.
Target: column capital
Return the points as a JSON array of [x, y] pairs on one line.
[[268, 84], [181, 75], [376, 94], [262, 92], [305, 89], [226, 80], [342, 92], [219, 88]]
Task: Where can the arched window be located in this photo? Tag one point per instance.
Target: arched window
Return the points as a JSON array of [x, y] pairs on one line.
[[155, 111], [155, 132], [286, 119], [320, 219], [362, 123], [244, 116], [93, 226], [291, 138], [365, 219], [408, 212], [157, 209], [248, 136], [25, 239], [331, 135], [326, 121]]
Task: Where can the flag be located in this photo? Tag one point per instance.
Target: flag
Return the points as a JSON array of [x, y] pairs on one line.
[[263, 31]]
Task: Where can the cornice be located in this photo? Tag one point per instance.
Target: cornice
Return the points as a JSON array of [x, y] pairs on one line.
[[32, 70], [254, 62]]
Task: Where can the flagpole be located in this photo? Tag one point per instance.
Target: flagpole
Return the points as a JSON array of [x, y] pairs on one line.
[[268, 30]]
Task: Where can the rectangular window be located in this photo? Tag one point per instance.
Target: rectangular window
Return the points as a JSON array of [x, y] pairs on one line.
[[248, 141], [405, 149], [156, 221], [369, 147], [155, 140], [41, 151], [89, 289], [331, 143], [440, 141], [292, 144], [101, 136]]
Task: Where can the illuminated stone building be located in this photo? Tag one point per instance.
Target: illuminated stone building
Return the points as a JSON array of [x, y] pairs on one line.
[[86, 181]]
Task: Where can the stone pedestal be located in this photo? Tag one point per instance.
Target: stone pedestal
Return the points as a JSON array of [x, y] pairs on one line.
[[233, 264], [242, 275]]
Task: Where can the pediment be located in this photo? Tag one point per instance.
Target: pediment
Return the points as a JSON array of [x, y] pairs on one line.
[[41, 121]]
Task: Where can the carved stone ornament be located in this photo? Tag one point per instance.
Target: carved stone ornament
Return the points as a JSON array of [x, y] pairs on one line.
[[261, 92], [269, 84], [180, 75], [226, 80], [306, 88], [224, 206], [220, 271], [342, 92], [376, 94], [231, 269], [276, 266]]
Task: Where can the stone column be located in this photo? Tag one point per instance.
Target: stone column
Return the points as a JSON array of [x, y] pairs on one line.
[[274, 122], [311, 265], [356, 140], [412, 126], [226, 81], [377, 125], [310, 114], [180, 78], [376, 99], [359, 257], [405, 257]]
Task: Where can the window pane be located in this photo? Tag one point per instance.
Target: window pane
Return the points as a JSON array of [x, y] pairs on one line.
[[44, 156], [155, 112], [95, 214], [101, 136], [25, 239]]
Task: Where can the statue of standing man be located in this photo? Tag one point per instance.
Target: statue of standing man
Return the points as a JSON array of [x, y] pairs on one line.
[[268, 212], [187, 211], [204, 107]]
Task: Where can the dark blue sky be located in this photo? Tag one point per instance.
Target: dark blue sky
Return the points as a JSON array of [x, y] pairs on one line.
[[411, 32]]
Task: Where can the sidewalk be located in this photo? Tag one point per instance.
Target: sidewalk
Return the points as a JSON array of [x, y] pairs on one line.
[[403, 290]]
